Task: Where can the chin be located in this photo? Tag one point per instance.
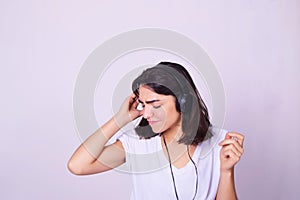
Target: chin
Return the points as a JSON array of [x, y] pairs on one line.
[[157, 130]]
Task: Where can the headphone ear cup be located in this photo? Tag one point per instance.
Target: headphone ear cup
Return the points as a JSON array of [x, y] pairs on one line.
[[184, 102], [180, 103]]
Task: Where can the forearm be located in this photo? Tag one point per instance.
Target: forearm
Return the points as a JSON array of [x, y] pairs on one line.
[[226, 188], [92, 147]]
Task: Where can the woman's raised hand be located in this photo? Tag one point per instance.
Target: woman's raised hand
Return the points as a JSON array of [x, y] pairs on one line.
[[232, 150], [128, 111]]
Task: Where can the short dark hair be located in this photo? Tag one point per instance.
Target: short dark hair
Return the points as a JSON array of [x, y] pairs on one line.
[[170, 78]]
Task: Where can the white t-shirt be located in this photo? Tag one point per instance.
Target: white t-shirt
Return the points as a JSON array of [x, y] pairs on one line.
[[151, 174]]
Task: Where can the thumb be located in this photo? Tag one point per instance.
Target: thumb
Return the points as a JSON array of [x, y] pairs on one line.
[[227, 136]]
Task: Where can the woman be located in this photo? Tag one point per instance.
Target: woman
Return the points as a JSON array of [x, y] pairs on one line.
[[189, 158]]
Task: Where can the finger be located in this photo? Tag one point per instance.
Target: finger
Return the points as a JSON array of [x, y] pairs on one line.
[[132, 98], [134, 105], [236, 144], [229, 154], [234, 149], [240, 137], [132, 95], [237, 135]]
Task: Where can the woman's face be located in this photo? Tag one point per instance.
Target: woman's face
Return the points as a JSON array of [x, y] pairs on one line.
[[159, 110]]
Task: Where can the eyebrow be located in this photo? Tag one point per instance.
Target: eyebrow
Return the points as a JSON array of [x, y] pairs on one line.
[[149, 102]]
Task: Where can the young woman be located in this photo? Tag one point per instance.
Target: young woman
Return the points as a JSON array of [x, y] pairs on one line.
[[174, 152]]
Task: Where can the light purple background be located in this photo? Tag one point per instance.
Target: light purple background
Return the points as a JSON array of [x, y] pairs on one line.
[[254, 44]]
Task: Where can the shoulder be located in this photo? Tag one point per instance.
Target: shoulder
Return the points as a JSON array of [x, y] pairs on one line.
[[132, 143]]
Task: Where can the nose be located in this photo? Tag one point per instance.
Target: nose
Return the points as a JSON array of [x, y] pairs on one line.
[[147, 112]]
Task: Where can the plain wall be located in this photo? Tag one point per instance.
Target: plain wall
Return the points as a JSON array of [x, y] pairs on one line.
[[43, 44]]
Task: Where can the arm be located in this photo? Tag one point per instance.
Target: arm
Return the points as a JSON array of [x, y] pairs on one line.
[[231, 152], [92, 156]]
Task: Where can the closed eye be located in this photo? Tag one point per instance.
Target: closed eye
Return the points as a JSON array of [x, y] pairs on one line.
[[156, 107], [150, 102]]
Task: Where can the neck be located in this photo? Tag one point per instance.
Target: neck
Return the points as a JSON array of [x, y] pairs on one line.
[[173, 134]]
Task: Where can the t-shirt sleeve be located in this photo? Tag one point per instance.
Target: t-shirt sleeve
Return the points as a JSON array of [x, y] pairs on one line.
[[142, 155], [124, 140]]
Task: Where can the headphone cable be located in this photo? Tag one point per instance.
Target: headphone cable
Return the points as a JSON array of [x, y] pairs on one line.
[[170, 164]]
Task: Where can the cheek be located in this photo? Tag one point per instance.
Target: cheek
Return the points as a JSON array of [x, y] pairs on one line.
[[172, 116], [160, 114], [167, 114]]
